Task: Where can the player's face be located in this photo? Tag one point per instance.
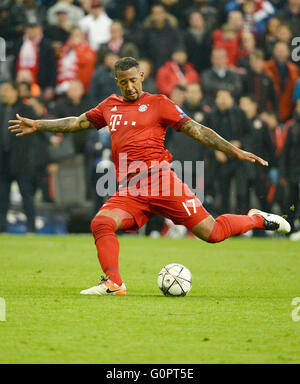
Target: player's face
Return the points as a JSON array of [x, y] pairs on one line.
[[130, 83]]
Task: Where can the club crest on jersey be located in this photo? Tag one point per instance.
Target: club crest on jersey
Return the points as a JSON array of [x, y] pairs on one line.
[[143, 108]]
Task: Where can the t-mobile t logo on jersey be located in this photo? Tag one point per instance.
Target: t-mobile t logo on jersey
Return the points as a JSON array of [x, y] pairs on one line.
[[115, 120]]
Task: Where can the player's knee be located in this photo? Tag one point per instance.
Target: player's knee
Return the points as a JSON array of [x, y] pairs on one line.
[[204, 228], [103, 225], [219, 232]]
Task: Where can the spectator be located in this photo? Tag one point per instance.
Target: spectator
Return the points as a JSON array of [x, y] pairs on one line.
[[11, 23], [75, 13], [178, 95], [259, 85], [255, 11], [198, 42], [98, 150], [96, 25], [33, 10], [12, 149], [77, 62], [42, 177], [220, 77], [149, 84], [290, 167], [156, 17], [290, 15], [194, 104], [26, 86], [284, 34], [247, 46], [35, 53], [86, 6], [176, 72], [174, 7], [115, 8], [207, 9], [256, 15], [285, 75], [74, 103], [269, 39], [236, 21], [118, 44], [258, 141], [278, 134], [228, 39], [160, 37], [59, 32], [230, 122], [103, 83], [134, 31], [24, 90]]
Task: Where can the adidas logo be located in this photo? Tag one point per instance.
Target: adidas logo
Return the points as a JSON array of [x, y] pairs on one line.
[[114, 109]]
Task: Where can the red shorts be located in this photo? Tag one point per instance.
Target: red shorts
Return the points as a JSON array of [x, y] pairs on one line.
[[165, 195]]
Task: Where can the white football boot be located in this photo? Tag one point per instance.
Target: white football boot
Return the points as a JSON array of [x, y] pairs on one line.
[[272, 222], [105, 287]]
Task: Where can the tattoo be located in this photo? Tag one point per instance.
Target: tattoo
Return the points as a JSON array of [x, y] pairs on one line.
[[67, 125], [208, 137], [84, 124]]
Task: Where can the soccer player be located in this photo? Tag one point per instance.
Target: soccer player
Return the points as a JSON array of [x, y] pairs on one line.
[[138, 121]]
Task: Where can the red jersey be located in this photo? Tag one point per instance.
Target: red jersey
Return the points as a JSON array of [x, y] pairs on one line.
[[138, 128]]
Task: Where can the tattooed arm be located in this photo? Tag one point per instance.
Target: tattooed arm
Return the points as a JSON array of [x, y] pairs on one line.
[[23, 126], [211, 139]]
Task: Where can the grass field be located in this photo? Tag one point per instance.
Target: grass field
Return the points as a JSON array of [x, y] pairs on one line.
[[239, 309]]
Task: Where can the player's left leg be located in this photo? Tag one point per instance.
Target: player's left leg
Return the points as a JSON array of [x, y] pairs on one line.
[[186, 209], [225, 226]]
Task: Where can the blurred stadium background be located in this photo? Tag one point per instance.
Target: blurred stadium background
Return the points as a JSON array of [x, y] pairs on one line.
[[228, 64]]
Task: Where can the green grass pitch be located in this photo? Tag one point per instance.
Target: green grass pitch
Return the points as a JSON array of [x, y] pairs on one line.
[[239, 309]]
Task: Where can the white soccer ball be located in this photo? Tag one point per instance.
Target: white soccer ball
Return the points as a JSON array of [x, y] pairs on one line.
[[175, 280]]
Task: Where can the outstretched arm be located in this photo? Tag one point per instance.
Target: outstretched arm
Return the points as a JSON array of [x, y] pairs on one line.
[[23, 126], [211, 139]]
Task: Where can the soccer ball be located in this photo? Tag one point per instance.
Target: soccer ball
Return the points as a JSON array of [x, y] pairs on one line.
[[175, 280]]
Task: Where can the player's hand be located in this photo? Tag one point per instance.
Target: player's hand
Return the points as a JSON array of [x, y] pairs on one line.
[[248, 156], [22, 126]]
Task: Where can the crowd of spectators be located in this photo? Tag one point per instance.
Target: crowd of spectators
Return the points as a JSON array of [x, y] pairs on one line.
[[228, 64]]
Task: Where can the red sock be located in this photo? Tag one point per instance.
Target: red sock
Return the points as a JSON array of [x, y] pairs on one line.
[[231, 225], [107, 244]]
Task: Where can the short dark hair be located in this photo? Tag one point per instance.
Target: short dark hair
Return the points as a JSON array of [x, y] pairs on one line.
[[180, 87], [126, 63], [224, 90], [249, 97]]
